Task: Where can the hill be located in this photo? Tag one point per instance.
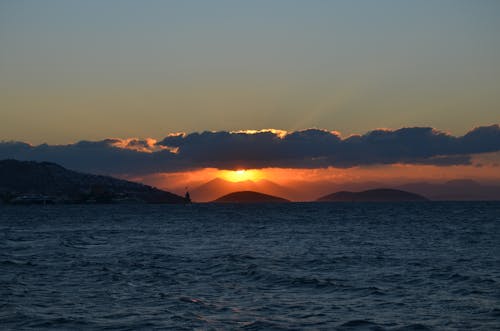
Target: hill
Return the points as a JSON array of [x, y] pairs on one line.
[[249, 197], [373, 195], [18, 178], [463, 189], [218, 187]]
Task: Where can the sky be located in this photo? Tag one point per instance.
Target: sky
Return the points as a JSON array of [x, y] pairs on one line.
[[182, 91], [73, 70]]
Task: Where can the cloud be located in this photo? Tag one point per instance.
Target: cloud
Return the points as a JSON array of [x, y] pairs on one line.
[[311, 148]]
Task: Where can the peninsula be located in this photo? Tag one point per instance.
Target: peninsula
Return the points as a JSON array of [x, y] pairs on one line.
[[27, 182]]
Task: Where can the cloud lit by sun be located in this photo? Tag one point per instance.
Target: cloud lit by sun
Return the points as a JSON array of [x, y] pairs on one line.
[[241, 175]]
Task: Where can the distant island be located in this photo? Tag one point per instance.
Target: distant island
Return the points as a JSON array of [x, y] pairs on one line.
[[218, 187], [249, 197], [28, 182], [376, 195]]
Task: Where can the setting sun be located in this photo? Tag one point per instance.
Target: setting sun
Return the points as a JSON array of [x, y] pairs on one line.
[[240, 175]]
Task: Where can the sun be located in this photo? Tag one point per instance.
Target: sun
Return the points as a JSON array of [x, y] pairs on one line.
[[240, 175]]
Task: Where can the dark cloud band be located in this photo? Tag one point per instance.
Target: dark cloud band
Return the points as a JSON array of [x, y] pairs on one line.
[[312, 148]]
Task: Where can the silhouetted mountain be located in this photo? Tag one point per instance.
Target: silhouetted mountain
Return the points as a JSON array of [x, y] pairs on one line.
[[373, 195], [249, 197], [44, 178], [461, 189], [218, 187]]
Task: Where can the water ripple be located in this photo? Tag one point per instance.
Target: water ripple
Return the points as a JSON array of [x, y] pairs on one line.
[[433, 266]]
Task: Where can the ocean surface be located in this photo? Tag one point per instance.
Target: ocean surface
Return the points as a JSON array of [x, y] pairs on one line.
[[300, 266]]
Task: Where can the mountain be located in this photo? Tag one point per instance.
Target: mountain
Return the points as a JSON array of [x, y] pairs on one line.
[[460, 189], [373, 195], [452, 190], [18, 178], [218, 187], [249, 197]]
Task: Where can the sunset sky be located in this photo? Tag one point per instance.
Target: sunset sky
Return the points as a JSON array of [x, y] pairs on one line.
[[173, 93]]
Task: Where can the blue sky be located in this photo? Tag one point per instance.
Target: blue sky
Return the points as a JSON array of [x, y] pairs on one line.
[[72, 70]]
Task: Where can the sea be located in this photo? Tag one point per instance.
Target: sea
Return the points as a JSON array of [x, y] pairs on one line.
[[289, 266]]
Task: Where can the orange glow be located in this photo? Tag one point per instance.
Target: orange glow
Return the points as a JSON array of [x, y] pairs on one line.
[[397, 173], [148, 145], [240, 175], [279, 133], [309, 184]]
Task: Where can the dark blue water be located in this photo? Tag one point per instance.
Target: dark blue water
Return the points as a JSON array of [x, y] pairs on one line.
[[345, 266]]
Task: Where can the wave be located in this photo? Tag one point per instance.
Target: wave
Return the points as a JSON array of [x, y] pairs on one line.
[[359, 325], [264, 325]]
